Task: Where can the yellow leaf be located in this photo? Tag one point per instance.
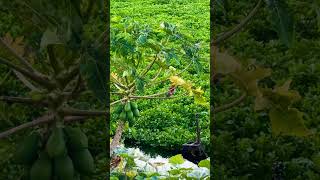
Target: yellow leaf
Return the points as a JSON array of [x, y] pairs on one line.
[[188, 86], [177, 81], [198, 91]]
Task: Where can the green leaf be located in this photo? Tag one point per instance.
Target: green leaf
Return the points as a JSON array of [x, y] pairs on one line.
[[49, 37], [287, 122], [204, 163], [282, 21], [140, 84], [94, 69], [177, 159]]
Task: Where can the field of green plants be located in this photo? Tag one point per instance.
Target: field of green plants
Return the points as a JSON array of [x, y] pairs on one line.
[[164, 126], [163, 48], [245, 143]]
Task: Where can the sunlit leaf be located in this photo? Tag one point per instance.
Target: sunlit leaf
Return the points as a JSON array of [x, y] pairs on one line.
[[204, 163], [177, 159], [176, 81]]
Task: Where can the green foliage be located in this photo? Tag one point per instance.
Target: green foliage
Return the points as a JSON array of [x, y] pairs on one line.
[[248, 144], [163, 126]]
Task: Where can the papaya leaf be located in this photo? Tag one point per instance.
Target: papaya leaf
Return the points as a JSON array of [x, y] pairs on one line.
[[261, 102], [140, 84], [287, 122], [177, 81], [282, 21], [226, 64], [95, 72], [49, 37], [281, 96], [249, 79]]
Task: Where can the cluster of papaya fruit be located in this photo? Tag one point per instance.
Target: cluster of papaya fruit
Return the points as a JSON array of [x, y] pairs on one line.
[[64, 156], [128, 111]]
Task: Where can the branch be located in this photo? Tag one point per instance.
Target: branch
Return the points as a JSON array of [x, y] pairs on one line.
[[78, 112], [42, 80], [118, 101], [5, 77], [238, 27], [230, 105], [154, 96], [74, 118], [149, 66], [20, 58], [25, 81], [164, 80], [22, 100], [157, 75], [41, 120], [56, 65]]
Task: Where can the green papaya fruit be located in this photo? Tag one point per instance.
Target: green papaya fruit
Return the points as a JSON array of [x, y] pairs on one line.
[[37, 96], [127, 107], [123, 115], [42, 168], [136, 113], [76, 138], [134, 105], [26, 152], [63, 168], [130, 115], [56, 145], [83, 161]]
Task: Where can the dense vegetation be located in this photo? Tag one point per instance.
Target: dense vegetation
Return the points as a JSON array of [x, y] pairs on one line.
[[29, 37], [245, 146], [164, 125]]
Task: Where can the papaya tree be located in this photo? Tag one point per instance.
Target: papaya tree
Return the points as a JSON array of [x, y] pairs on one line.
[[143, 57], [60, 60]]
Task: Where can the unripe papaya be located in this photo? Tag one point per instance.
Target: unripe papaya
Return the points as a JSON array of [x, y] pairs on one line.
[[37, 96], [130, 115], [83, 161], [42, 168], [123, 115], [127, 107], [27, 150], [76, 138], [136, 113], [56, 145], [133, 105], [63, 167]]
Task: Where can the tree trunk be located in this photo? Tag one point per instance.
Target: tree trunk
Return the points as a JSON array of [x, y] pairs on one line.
[[117, 137]]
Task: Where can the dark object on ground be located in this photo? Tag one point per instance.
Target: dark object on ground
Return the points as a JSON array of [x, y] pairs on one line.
[[193, 151]]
